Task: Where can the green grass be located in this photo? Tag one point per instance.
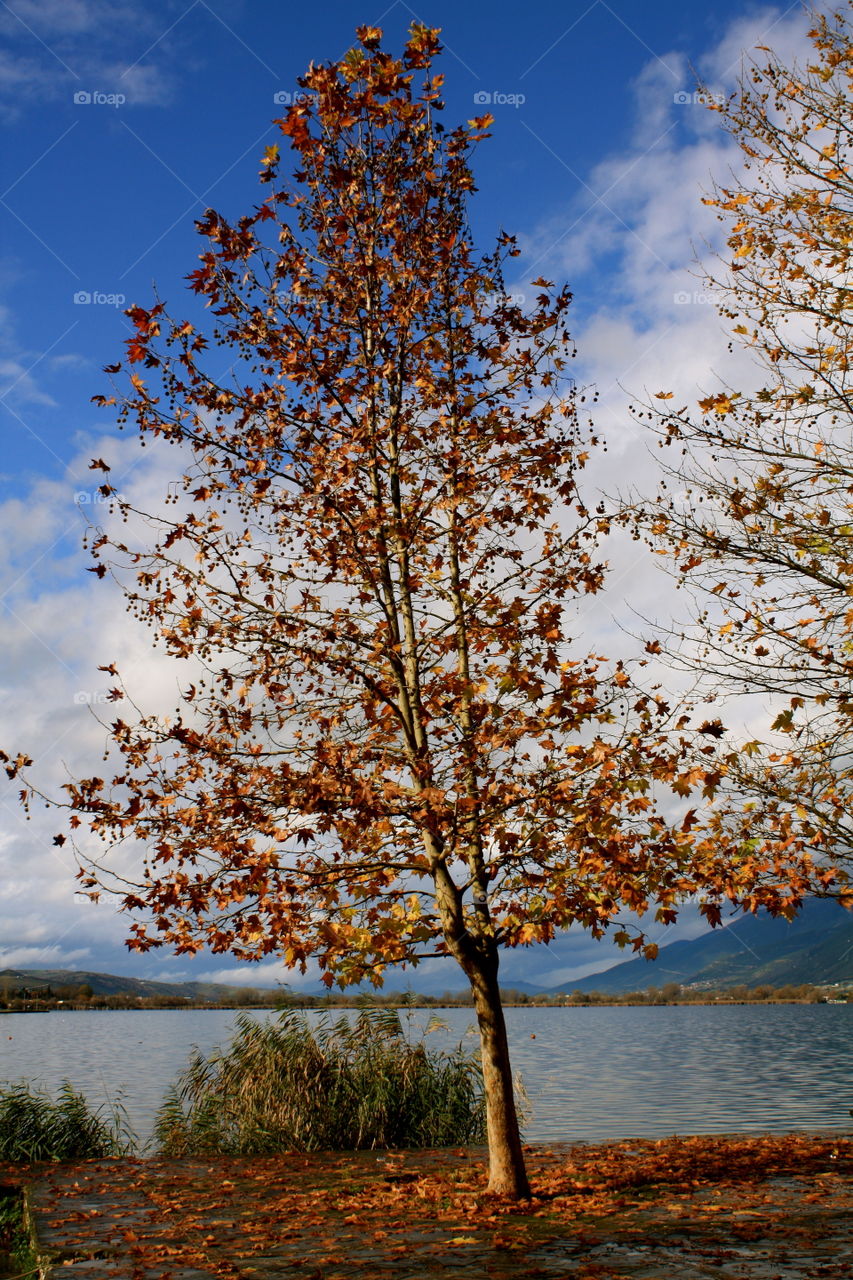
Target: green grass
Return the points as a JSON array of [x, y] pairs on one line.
[[34, 1126], [336, 1086], [17, 1256]]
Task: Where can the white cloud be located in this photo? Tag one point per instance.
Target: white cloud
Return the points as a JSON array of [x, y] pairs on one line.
[[632, 245], [779, 28], [148, 86], [55, 48], [22, 75], [63, 17], [57, 624], [654, 92], [17, 385], [41, 958]]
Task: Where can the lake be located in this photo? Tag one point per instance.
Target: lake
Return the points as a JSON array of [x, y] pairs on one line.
[[591, 1073]]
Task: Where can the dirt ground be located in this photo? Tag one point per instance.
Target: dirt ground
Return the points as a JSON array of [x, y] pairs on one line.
[[751, 1208]]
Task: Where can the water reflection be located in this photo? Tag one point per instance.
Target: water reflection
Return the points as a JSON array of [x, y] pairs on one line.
[[591, 1073]]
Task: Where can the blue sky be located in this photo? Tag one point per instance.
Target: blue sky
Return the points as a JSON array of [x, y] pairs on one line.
[[100, 199], [124, 122]]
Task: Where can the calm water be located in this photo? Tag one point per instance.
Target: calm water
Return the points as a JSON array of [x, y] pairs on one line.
[[590, 1073]]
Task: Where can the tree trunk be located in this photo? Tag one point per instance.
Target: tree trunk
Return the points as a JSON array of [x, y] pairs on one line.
[[507, 1174]]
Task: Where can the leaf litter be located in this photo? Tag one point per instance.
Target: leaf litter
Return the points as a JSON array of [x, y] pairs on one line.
[[749, 1207]]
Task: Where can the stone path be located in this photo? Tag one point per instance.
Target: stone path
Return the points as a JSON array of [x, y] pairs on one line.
[[735, 1209]]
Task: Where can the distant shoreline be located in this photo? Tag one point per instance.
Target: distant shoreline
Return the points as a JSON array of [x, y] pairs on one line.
[[320, 1005]]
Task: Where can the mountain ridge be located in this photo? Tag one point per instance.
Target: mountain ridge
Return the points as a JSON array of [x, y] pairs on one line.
[[816, 947], [111, 984]]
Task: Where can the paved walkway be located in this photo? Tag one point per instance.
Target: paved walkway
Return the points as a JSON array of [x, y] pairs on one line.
[[683, 1209]]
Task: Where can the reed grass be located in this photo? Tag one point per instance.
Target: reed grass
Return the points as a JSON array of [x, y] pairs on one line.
[[34, 1126], [337, 1085]]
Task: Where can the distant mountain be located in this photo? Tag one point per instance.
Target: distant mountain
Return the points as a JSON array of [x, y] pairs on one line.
[[524, 988], [111, 984], [816, 947]]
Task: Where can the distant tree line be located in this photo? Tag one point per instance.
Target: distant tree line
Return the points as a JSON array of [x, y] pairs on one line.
[[24, 998], [674, 993]]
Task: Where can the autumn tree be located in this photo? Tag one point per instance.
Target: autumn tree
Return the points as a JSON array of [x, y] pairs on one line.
[[764, 521], [396, 745]]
